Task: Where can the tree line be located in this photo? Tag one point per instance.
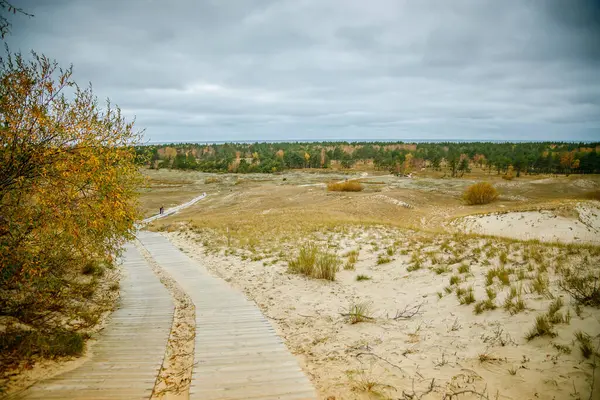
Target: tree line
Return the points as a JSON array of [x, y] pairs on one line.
[[398, 157]]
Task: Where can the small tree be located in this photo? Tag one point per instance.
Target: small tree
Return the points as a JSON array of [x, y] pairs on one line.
[[68, 186]]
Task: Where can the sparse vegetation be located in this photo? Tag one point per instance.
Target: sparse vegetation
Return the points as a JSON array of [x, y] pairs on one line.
[[480, 193], [352, 259], [442, 269], [540, 284], [363, 277], [502, 274]]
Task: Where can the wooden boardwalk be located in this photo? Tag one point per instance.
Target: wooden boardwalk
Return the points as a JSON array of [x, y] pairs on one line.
[[238, 355], [130, 350]]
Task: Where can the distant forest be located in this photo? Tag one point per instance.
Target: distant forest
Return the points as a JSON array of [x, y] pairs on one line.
[[398, 158]]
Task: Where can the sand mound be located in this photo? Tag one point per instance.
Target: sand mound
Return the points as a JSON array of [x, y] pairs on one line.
[[546, 225]]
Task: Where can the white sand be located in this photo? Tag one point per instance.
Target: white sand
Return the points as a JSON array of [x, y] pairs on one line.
[[549, 226], [405, 355]]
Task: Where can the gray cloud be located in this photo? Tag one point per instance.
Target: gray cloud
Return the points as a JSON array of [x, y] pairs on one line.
[[294, 69]]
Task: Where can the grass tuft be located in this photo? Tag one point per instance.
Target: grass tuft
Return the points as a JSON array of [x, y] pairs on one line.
[[484, 305], [315, 263], [464, 269], [468, 297], [542, 327], [359, 312], [383, 259]]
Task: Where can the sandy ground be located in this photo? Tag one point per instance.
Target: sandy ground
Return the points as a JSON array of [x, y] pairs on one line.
[[581, 226], [445, 348]]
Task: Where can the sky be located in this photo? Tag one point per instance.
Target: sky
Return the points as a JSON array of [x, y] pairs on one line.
[[214, 70]]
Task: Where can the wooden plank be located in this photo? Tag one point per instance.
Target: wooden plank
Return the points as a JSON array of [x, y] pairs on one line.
[[238, 353], [131, 348]]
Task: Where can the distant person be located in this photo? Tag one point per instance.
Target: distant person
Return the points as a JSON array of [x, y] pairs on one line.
[[161, 210]]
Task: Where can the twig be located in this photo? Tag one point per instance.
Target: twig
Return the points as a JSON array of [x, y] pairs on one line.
[[482, 395], [408, 312], [351, 315], [418, 396], [379, 357]]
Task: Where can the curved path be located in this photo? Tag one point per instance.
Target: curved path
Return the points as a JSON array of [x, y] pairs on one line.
[[130, 350], [173, 210], [238, 355]]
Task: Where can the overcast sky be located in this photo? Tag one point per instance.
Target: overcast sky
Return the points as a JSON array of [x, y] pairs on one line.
[[195, 70]]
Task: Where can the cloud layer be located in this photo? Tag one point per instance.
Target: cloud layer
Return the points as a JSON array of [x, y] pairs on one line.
[[324, 69]]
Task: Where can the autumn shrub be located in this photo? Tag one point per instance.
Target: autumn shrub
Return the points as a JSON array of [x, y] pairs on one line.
[[592, 195], [509, 175], [211, 179], [480, 193], [346, 186], [69, 179]]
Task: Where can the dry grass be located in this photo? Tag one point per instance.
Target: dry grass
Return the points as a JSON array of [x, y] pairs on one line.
[[480, 193], [315, 263], [542, 327], [347, 186], [359, 312], [585, 343]]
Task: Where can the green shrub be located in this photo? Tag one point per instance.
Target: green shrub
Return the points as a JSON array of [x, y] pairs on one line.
[[47, 345], [362, 277]]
